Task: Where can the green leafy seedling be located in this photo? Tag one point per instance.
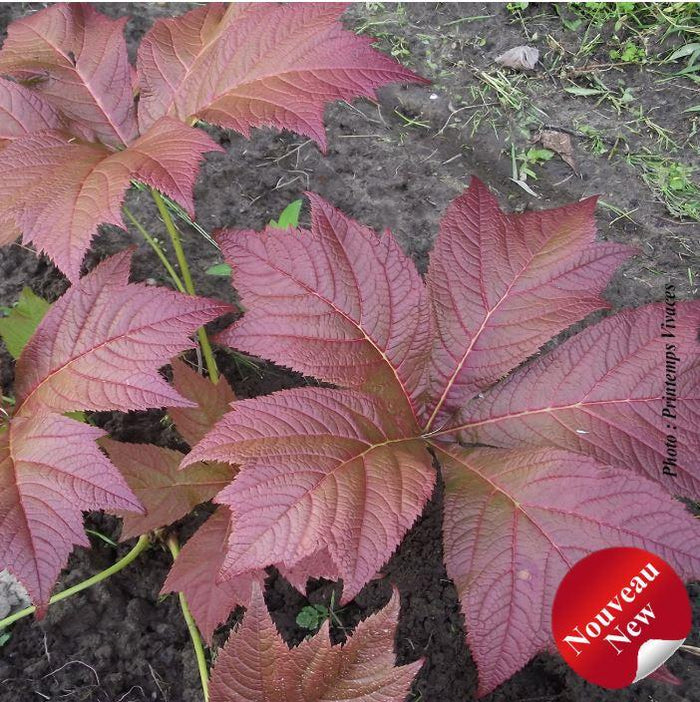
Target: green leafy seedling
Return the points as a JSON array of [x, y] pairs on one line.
[[289, 216], [629, 52], [312, 616]]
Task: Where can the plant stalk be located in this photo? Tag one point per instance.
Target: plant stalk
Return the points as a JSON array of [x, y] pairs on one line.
[[141, 545], [192, 628], [159, 252], [187, 277]]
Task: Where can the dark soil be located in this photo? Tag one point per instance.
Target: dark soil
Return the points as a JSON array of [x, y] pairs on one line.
[[121, 642]]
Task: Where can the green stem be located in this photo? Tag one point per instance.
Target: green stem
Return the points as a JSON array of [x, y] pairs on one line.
[[189, 285], [141, 545], [159, 252], [192, 628]]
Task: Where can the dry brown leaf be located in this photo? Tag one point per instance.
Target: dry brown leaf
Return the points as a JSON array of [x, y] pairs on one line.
[[560, 143]]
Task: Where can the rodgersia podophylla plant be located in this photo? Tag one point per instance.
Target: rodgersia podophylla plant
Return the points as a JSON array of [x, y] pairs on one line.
[[544, 457]]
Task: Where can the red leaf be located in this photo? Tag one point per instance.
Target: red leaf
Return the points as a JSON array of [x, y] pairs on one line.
[[50, 470], [516, 521], [100, 345], [57, 192], [195, 572], [166, 492], [79, 58], [258, 65], [212, 402], [23, 111], [255, 665], [602, 392], [502, 285], [319, 467], [335, 302]]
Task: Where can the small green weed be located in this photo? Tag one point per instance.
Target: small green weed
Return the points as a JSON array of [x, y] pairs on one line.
[[619, 98], [635, 26], [641, 17], [514, 7], [671, 181], [629, 52], [312, 617], [399, 48], [524, 163], [595, 141]]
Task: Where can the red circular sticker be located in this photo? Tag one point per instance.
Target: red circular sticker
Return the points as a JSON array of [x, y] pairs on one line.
[[619, 614]]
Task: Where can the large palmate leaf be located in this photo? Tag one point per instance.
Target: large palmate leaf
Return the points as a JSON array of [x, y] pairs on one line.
[[325, 469], [255, 665], [56, 191], [196, 574], [516, 521], [99, 347], [253, 65], [76, 57], [312, 305], [101, 344], [319, 466], [603, 392], [502, 285], [166, 493]]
